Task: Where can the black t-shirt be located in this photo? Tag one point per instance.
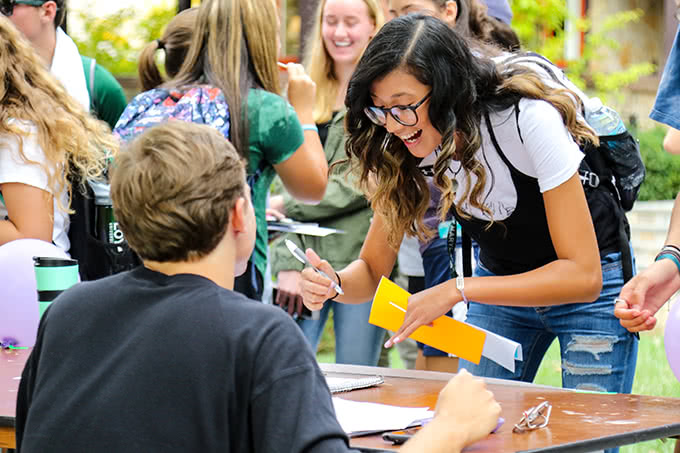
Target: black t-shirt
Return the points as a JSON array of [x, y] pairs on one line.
[[145, 362]]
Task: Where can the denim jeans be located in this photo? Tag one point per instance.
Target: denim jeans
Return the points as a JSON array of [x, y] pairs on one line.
[[597, 353], [356, 341]]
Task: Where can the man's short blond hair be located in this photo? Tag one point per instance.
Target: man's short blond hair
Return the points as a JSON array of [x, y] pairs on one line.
[[173, 188]]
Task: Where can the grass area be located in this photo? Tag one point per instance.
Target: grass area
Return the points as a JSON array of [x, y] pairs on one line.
[[653, 375]]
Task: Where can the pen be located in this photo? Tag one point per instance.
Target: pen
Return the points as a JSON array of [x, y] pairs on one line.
[[300, 255]]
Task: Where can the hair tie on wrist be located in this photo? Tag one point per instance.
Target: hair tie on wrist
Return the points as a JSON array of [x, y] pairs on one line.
[[332, 299], [310, 127], [160, 44]]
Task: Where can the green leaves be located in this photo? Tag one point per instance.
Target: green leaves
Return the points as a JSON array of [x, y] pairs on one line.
[[540, 25], [117, 39]]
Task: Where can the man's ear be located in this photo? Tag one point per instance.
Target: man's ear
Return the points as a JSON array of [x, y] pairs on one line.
[[238, 215], [49, 11], [450, 12]]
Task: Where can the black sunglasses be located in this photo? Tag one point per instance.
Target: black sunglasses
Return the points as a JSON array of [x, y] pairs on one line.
[[404, 114], [7, 6]]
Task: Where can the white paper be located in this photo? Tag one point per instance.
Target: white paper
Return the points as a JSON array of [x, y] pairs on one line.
[[311, 229], [357, 416], [501, 350]]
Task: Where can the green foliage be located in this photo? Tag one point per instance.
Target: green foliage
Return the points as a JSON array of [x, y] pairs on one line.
[[104, 41], [540, 27], [663, 169], [107, 38]]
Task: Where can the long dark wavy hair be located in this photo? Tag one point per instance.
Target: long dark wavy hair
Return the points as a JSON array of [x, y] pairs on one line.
[[464, 86]]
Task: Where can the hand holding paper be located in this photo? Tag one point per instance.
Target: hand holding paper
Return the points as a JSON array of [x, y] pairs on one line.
[[423, 308], [467, 342], [446, 333]]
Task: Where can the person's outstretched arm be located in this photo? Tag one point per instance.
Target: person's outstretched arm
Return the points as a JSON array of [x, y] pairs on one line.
[[466, 413], [648, 291], [671, 142]]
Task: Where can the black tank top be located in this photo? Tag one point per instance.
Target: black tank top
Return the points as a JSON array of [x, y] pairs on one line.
[[522, 241]]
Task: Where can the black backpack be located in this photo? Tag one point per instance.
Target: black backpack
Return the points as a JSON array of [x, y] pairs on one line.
[[96, 259], [611, 174]]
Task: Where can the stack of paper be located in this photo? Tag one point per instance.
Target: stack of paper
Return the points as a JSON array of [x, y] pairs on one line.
[[447, 334], [358, 418]]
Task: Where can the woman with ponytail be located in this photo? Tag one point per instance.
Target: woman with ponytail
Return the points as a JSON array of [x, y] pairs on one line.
[[503, 148], [229, 79], [174, 44]]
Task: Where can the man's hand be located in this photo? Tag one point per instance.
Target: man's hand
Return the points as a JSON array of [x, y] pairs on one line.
[[466, 402], [289, 294], [466, 412]]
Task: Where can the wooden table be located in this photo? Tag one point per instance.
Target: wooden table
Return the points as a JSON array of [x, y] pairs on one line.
[[580, 422]]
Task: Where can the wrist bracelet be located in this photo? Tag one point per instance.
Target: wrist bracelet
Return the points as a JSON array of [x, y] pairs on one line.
[[460, 286], [671, 256], [671, 247], [310, 127], [668, 251], [332, 299]]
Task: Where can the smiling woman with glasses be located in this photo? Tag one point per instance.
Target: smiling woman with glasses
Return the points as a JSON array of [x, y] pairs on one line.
[[502, 146], [405, 115]]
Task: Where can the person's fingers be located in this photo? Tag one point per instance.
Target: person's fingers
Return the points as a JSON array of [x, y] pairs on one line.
[[313, 257], [625, 314], [291, 304], [646, 321], [405, 331], [315, 284], [298, 305]]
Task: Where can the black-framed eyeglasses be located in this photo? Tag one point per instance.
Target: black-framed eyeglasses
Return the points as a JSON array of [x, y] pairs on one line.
[[404, 114], [7, 6]]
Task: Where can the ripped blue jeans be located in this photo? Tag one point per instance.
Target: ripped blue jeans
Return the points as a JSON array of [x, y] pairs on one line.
[[597, 353]]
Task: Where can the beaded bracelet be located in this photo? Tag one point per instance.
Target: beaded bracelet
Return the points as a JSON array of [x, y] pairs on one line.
[[310, 127]]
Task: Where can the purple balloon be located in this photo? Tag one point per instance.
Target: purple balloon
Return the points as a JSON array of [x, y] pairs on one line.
[[18, 293], [672, 337]]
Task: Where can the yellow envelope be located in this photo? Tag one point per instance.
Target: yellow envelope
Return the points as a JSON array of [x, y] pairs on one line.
[[447, 334]]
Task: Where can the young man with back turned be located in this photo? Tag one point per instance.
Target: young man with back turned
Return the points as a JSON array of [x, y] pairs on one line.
[[167, 356]]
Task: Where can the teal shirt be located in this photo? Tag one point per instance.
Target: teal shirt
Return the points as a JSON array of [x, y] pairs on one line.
[[275, 134]]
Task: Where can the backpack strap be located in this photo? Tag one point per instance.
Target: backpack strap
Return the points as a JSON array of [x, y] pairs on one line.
[[90, 87]]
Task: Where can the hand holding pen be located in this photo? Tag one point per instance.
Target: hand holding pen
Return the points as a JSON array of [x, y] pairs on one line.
[[319, 283]]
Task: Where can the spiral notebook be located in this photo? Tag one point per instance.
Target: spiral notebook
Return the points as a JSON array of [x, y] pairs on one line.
[[337, 385]]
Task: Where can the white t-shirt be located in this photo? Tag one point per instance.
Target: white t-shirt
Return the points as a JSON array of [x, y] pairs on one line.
[[14, 169], [548, 154], [67, 67]]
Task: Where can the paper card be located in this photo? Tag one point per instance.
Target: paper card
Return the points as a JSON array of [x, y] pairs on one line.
[[447, 334]]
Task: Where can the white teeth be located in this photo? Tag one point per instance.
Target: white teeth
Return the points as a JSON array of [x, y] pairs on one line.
[[342, 43], [410, 136]]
